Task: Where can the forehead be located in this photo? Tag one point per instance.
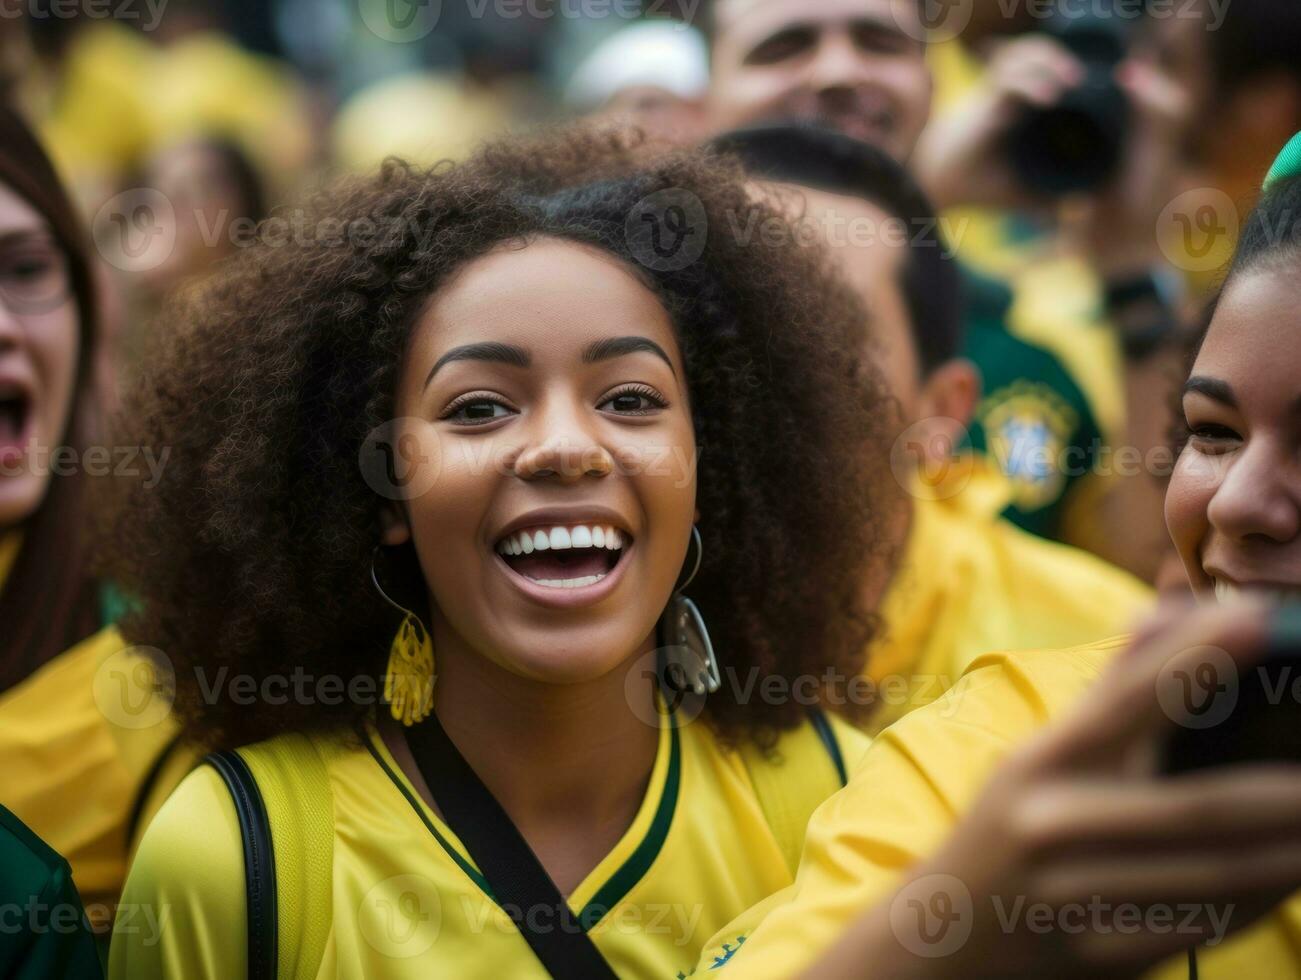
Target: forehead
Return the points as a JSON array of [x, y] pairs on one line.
[[550, 296], [17, 215], [1252, 342], [741, 23]]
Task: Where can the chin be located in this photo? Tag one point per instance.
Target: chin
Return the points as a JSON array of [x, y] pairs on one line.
[[20, 498], [573, 657]]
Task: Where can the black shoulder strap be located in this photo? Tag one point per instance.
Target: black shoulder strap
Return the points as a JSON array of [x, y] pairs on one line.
[[828, 735], [259, 863], [518, 881]]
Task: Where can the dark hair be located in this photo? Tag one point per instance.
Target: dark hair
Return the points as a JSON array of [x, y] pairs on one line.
[[253, 552], [1270, 239], [1257, 37], [50, 600], [817, 157]]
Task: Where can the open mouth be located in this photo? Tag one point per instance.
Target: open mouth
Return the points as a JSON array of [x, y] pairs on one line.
[[15, 410], [571, 556]]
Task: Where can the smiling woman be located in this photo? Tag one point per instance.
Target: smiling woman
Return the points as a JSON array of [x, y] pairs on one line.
[[607, 485]]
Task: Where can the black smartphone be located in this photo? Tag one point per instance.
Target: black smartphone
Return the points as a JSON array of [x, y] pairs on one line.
[[1258, 721]]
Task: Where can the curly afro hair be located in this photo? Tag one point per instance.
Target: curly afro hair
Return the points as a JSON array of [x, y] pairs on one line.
[[253, 552]]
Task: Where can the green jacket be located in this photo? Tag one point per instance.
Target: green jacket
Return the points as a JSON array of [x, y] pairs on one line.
[[43, 927]]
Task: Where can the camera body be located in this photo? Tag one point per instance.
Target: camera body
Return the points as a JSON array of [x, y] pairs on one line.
[[1076, 145]]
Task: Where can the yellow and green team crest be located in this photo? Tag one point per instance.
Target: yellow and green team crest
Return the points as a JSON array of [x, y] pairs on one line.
[[1027, 428]]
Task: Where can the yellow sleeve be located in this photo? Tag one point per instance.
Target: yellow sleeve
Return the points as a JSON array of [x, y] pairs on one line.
[[183, 909], [78, 740], [901, 803]]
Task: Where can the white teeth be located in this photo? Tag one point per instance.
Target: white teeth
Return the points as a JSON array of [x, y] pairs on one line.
[[561, 538], [1227, 591], [568, 583]]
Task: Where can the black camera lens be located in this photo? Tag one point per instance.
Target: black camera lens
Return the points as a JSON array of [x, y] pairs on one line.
[[1077, 144]]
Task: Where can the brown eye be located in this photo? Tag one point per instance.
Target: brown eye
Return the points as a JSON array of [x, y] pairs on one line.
[[781, 46], [633, 401], [476, 410]]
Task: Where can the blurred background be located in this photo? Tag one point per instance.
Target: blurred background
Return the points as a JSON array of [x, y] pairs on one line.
[[1093, 157]]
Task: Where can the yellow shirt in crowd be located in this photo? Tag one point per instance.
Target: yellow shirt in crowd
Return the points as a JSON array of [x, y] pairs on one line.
[[406, 900], [971, 582], [82, 740], [902, 803]]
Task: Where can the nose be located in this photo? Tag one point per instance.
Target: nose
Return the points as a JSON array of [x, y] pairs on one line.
[[565, 447], [1259, 497], [838, 65], [10, 334]]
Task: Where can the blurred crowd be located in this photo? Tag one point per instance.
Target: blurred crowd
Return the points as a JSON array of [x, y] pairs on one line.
[[180, 124]]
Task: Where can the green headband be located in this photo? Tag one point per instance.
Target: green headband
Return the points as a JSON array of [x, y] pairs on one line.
[[1288, 163]]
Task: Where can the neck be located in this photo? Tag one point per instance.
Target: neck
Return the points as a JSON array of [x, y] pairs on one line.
[[569, 763], [547, 749]]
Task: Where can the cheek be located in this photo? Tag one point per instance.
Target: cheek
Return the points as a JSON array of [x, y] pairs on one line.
[[445, 487], [1192, 486], [57, 345]]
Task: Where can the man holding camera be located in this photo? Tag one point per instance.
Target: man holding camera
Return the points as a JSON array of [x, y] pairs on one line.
[[1053, 397]]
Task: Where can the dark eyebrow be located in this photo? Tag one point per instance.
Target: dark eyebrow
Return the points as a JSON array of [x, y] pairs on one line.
[[501, 353], [1214, 388], [603, 350]]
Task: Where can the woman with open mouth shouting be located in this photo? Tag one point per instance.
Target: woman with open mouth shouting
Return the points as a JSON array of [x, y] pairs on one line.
[[48, 599], [580, 463]]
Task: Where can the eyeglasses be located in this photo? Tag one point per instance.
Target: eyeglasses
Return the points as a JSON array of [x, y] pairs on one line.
[[34, 276]]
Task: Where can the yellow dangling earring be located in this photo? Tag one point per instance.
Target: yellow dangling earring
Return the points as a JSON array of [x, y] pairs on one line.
[[409, 678]]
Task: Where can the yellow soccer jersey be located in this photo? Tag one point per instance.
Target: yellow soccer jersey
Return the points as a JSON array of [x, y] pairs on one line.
[[902, 803], [971, 582], [406, 900], [80, 740]]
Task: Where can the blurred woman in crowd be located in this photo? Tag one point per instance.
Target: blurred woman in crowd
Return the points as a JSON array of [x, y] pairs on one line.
[[48, 598], [71, 766], [567, 387]]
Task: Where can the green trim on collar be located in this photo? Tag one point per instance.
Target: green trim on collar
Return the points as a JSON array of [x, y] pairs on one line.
[[622, 881]]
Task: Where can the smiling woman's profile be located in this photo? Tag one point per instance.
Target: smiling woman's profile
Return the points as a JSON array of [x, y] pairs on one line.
[[626, 484]]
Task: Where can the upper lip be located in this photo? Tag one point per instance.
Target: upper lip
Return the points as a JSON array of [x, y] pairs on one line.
[[565, 517], [11, 381]]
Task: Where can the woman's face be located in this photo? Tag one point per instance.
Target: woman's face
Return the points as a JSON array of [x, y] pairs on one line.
[[38, 355], [545, 388], [1234, 502]]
